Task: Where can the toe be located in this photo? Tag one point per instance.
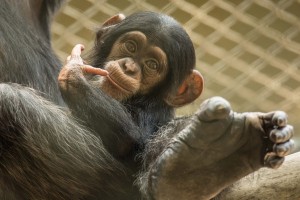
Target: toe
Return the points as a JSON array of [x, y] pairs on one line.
[[214, 108], [279, 119], [282, 135], [284, 149]]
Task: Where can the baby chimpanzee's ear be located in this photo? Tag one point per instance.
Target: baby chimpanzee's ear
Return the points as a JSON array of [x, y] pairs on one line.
[[108, 24], [190, 90], [114, 20]]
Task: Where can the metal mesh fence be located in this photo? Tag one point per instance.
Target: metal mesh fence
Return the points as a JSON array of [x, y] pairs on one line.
[[247, 50]]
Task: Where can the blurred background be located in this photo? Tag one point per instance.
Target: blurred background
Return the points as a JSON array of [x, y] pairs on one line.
[[247, 50]]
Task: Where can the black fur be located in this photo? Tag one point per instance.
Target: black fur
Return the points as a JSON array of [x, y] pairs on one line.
[[47, 155], [26, 56]]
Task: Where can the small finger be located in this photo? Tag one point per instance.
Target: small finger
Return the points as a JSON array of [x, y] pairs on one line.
[[279, 119], [75, 60], [284, 149], [93, 70], [77, 49], [282, 134]]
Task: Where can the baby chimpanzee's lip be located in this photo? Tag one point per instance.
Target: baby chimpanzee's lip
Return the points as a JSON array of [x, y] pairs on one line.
[[117, 85]]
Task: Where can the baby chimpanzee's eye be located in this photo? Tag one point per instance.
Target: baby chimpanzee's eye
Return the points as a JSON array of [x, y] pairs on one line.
[[131, 46], [152, 64]]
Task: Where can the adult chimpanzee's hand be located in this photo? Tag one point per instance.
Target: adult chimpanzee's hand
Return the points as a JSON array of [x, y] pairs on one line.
[[218, 148]]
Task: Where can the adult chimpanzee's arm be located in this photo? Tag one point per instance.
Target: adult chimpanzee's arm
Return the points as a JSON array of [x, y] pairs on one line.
[[38, 14], [45, 154], [26, 56], [213, 149], [105, 116]]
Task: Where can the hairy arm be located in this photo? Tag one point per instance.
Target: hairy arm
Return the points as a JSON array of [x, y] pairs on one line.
[[105, 116], [45, 154]]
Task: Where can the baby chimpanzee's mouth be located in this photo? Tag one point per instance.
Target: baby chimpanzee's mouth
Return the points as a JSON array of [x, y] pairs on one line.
[[118, 85]]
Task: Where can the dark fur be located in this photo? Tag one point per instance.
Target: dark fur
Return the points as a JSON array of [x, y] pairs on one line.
[[151, 112], [154, 146], [26, 55], [46, 152]]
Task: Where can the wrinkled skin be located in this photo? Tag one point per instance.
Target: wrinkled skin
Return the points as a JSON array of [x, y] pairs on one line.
[[218, 148]]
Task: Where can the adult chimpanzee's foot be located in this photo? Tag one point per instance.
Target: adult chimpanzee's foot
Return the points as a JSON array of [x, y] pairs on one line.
[[218, 148]]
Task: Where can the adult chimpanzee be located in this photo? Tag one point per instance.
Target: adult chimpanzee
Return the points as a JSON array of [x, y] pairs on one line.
[[46, 153]]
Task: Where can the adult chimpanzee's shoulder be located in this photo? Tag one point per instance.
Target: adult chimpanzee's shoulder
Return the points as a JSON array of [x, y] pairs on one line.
[[45, 12], [26, 54]]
